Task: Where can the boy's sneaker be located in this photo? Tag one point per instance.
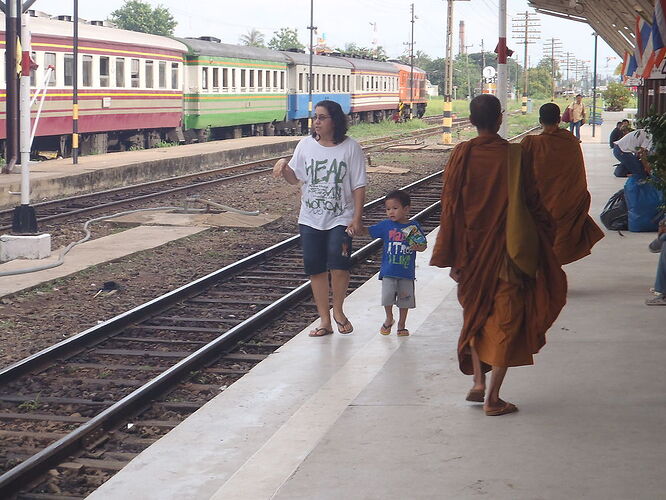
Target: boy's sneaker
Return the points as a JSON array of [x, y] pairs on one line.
[[659, 300]]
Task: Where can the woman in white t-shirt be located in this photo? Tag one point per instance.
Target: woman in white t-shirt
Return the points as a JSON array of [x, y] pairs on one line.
[[331, 169]]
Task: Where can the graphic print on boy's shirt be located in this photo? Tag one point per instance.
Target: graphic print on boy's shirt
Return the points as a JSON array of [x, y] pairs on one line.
[[398, 260]]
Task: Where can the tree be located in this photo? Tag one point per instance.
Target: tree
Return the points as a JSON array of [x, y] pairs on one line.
[[136, 15], [353, 50], [616, 96], [253, 38], [285, 39]]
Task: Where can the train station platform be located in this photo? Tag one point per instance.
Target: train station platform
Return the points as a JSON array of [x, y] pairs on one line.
[[60, 178], [367, 416]]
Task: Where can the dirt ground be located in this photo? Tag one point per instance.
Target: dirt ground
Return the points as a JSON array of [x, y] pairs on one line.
[[35, 319]]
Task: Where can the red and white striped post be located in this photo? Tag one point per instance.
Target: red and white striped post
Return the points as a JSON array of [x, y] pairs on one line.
[[502, 86]]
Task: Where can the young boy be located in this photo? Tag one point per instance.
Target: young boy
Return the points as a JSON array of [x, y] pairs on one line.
[[402, 238]]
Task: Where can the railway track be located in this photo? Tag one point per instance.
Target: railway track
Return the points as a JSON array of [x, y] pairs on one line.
[[74, 414], [70, 207], [72, 404]]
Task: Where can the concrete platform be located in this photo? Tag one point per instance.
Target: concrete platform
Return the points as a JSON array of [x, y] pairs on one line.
[[89, 254], [169, 218], [60, 178], [366, 416]]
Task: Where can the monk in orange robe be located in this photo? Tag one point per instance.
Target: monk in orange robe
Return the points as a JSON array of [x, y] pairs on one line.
[[559, 170], [497, 238]]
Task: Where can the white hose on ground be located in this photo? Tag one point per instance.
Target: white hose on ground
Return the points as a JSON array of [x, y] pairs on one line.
[[64, 252]]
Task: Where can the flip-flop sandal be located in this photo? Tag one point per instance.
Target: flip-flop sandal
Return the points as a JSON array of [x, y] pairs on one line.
[[345, 328], [502, 410], [403, 332], [386, 329], [320, 332], [476, 395]]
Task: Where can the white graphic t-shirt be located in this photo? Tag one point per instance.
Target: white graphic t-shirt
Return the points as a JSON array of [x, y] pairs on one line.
[[329, 175]]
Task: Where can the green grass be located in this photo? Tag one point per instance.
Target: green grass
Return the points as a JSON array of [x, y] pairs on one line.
[[387, 127]]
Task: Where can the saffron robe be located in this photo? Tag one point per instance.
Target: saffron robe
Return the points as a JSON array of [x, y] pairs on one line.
[[505, 312], [559, 170]]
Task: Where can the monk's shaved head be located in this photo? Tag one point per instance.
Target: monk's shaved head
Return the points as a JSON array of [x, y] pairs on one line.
[[549, 114], [485, 111]]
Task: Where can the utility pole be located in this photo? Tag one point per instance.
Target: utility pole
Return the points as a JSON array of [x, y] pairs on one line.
[[594, 85], [11, 77], [483, 63], [525, 27], [411, 68], [447, 119], [75, 87], [553, 46], [312, 29], [502, 54], [469, 85]]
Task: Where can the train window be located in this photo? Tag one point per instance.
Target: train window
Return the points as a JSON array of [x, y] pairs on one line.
[[33, 74], [317, 86], [233, 78], [338, 87], [260, 79], [268, 80], [162, 74], [69, 70], [347, 89], [275, 80], [216, 78], [282, 80], [251, 71], [225, 78], [323, 83], [87, 71], [120, 72], [242, 78], [104, 71], [150, 74], [204, 78], [50, 60], [300, 82], [174, 76], [135, 73]]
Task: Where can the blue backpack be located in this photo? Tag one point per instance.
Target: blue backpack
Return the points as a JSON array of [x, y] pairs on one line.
[[644, 204]]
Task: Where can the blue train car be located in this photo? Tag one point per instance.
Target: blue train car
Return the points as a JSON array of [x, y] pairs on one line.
[[331, 80]]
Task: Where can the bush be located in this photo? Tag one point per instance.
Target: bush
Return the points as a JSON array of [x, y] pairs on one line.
[[655, 125], [616, 96]]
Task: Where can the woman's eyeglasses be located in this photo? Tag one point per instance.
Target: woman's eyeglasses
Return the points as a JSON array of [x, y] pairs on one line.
[[321, 118]]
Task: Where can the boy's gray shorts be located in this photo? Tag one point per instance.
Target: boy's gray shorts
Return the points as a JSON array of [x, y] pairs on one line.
[[398, 292]]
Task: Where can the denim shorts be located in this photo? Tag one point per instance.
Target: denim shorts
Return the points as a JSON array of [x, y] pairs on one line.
[[325, 249]]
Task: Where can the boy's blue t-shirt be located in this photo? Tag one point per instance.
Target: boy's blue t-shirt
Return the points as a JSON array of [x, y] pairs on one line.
[[398, 261]]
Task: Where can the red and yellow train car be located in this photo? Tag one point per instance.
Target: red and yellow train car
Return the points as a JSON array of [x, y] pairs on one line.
[[130, 86], [413, 95]]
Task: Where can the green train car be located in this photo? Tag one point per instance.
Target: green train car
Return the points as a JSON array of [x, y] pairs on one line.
[[231, 90]]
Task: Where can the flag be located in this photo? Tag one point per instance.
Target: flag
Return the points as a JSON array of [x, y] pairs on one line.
[[659, 31], [643, 31], [647, 58], [625, 64], [632, 66]]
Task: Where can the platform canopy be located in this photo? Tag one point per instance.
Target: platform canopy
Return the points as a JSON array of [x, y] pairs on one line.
[[613, 20]]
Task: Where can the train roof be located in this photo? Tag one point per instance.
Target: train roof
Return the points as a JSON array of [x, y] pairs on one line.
[[370, 65], [55, 27], [327, 61], [407, 67], [210, 48]]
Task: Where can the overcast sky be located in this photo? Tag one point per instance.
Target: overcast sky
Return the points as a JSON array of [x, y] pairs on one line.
[[344, 21]]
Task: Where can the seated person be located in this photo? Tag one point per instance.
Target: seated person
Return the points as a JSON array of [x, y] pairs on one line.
[[616, 134], [659, 246], [626, 126], [631, 151]]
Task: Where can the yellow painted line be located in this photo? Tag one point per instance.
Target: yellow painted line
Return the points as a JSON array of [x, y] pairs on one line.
[[235, 64], [227, 97], [99, 49]]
